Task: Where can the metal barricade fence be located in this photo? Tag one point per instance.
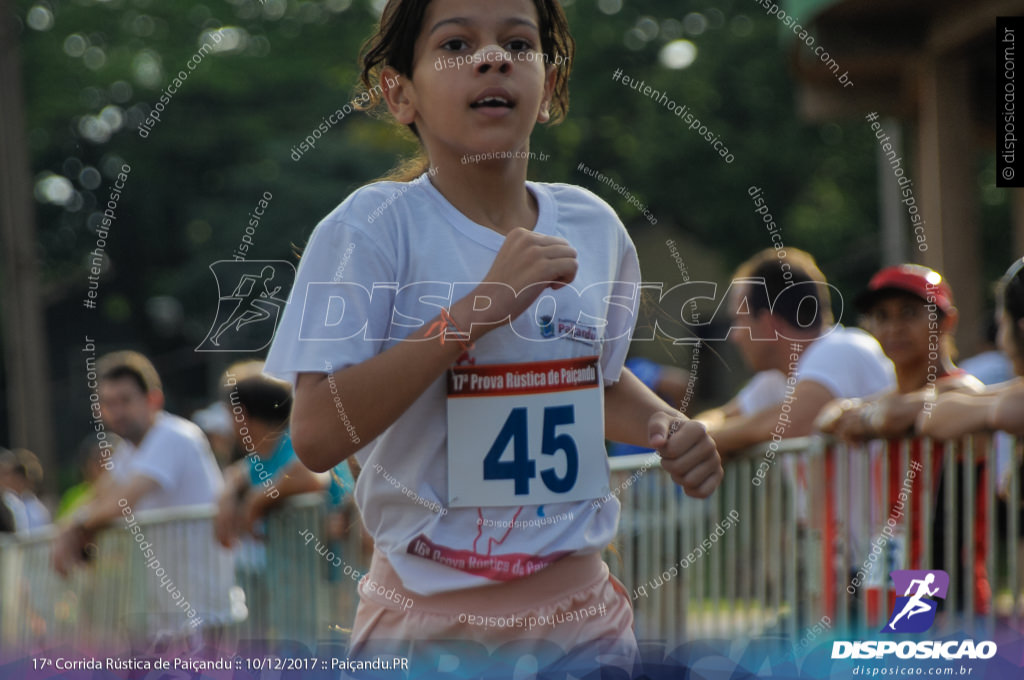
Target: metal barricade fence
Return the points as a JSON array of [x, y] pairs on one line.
[[774, 551], [777, 548], [295, 585]]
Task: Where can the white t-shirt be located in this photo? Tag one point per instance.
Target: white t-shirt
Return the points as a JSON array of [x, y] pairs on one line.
[[17, 507], [849, 363], [38, 514], [766, 388], [388, 236], [176, 454]]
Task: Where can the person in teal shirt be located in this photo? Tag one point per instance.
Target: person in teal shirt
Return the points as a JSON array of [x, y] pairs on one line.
[[268, 470]]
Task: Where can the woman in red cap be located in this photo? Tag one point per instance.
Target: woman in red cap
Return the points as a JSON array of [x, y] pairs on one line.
[[910, 310]]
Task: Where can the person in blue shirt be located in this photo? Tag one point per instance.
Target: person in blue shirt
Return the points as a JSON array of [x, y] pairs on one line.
[[268, 470]]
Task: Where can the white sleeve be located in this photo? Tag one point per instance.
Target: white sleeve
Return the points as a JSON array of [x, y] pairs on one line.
[[623, 314], [339, 310], [766, 388], [848, 366], [828, 366], [161, 457]]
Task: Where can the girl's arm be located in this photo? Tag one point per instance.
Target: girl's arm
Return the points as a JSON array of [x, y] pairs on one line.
[[407, 370], [636, 415], [376, 392]]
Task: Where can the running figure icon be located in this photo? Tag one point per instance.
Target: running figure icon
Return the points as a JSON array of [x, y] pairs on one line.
[[247, 315], [914, 604], [251, 302], [921, 589]]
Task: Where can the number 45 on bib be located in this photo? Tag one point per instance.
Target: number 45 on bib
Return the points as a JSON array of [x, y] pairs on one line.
[[526, 434]]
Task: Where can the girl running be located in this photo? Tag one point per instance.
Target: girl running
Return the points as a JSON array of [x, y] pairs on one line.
[[470, 353]]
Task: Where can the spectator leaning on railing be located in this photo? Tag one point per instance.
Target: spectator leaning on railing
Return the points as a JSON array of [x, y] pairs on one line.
[[269, 470], [910, 309], [1000, 407], [162, 461], [777, 328]]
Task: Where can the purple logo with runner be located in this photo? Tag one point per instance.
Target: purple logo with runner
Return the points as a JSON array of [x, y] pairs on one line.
[[914, 611]]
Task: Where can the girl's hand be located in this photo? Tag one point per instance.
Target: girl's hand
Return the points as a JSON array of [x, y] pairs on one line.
[[527, 264], [688, 453]]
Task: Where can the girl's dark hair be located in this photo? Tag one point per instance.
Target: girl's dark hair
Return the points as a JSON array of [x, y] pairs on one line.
[[393, 43], [1011, 298]]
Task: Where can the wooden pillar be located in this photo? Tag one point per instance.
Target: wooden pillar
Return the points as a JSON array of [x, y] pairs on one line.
[[892, 212], [28, 380], [946, 190]]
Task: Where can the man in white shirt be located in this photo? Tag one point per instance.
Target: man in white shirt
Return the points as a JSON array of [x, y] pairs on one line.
[[783, 321], [163, 461]]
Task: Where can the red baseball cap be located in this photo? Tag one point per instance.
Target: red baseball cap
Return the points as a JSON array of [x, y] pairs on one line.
[[922, 282]]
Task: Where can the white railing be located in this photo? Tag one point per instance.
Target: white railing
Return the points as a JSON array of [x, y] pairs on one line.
[[774, 551], [777, 552], [282, 589]]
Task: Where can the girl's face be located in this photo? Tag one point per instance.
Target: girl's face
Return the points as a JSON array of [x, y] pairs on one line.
[[479, 82]]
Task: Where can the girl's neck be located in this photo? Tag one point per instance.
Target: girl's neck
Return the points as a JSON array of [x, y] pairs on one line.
[[492, 193]]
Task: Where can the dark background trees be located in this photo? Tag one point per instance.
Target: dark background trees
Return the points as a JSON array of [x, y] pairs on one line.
[[93, 70]]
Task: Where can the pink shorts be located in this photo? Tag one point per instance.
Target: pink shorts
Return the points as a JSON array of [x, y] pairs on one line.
[[565, 611]]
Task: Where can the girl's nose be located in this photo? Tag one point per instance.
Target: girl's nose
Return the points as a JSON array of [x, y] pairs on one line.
[[493, 56]]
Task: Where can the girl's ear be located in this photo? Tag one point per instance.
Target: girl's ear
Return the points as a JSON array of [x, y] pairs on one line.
[[399, 95], [544, 114]]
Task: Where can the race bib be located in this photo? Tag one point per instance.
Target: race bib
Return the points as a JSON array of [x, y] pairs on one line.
[[526, 434]]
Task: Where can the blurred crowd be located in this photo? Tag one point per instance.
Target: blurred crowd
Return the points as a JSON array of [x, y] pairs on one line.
[[235, 455], [874, 387], [892, 377]]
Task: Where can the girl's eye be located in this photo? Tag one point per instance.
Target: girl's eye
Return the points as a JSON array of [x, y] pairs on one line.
[[454, 45], [519, 46]]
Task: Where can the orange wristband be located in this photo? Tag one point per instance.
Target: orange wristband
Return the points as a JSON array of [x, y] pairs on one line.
[[446, 324]]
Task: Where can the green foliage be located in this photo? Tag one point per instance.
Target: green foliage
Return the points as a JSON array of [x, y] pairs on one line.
[[227, 136]]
